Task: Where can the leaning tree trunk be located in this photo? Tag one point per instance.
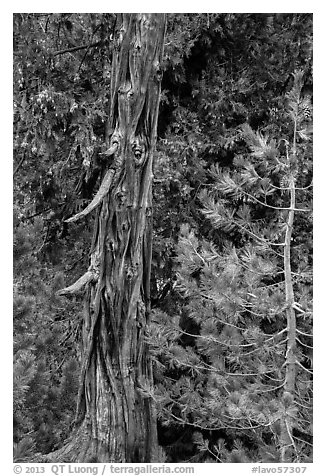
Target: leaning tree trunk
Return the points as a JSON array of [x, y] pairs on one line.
[[115, 419]]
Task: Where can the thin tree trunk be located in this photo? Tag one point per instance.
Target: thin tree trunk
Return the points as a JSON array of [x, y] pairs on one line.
[[286, 438], [115, 418]]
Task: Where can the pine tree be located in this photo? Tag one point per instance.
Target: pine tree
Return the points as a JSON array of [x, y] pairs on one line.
[[250, 300]]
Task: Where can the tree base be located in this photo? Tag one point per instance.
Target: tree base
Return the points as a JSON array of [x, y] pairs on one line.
[[81, 447]]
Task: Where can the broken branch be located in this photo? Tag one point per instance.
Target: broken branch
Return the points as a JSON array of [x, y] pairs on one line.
[[102, 191], [76, 48], [78, 285]]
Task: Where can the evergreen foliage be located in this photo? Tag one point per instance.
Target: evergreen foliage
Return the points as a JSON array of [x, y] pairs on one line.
[[235, 144]]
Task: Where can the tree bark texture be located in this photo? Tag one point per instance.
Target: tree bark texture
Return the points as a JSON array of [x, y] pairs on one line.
[[115, 418]]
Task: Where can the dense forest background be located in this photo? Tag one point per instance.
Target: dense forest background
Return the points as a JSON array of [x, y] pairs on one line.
[[234, 147]]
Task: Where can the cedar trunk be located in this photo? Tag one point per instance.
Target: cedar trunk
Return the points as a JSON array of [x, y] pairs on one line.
[[115, 418]]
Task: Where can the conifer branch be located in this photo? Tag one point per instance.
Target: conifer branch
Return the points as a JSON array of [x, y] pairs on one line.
[[303, 406], [278, 334], [285, 188], [303, 441], [272, 389], [267, 286], [210, 338], [213, 339], [186, 240], [253, 374], [275, 379], [305, 345], [258, 238], [295, 306], [304, 333], [304, 368], [306, 382], [262, 273], [275, 208], [216, 428], [290, 435], [259, 348]]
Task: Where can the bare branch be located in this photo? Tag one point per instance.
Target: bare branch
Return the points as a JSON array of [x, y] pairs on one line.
[[290, 435], [304, 333], [305, 345], [304, 368], [78, 285], [76, 48], [102, 191], [303, 441], [275, 208], [20, 163], [112, 150]]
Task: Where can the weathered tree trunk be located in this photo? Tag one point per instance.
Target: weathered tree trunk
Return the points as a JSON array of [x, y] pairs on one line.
[[115, 419]]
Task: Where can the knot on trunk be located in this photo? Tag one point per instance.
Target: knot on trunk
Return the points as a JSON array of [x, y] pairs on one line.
[[139, 149]]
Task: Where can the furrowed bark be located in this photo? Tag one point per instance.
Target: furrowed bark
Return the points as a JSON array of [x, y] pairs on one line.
[[115, 419]]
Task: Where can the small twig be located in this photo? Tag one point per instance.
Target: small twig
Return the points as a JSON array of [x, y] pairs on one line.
[[290, 436], [304, 368], [303, 406], [77, 261], [275, 208], [304, 333], [77, 48], [306, 345], [20, 163], [88, 48], [36, 214], [60, 365], [302, 441]]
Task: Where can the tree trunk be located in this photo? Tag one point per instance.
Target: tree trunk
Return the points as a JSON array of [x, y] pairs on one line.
[[286, 436], [115, 418]]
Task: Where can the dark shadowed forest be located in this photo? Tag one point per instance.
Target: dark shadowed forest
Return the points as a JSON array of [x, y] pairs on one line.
[[162, 237]]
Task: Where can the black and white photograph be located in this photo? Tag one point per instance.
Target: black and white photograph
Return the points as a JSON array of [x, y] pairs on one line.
[[162, 241]]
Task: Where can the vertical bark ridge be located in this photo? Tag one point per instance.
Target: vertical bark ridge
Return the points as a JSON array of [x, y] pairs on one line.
[[117, 360], [115, 421]]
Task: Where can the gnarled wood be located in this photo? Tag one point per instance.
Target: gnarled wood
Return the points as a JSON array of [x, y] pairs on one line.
[[102, 191], [115, 420], [78, 285]]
